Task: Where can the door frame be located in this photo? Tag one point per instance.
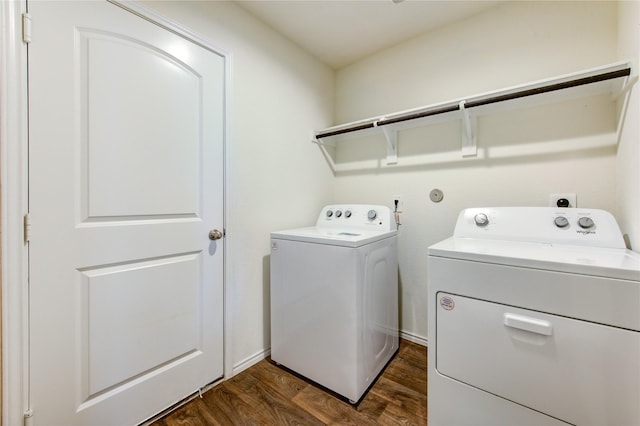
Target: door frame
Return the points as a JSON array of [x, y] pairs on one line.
[[14, 195]]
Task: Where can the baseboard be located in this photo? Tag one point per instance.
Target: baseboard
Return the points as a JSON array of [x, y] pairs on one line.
[[422, 341], [259, 356], [250, 361]]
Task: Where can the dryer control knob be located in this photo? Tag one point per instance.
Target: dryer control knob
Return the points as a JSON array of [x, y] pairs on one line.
[[372, 214], [585, 222], [347, 214], [329, 213], [561, 222], [481, 219], [338, 213]]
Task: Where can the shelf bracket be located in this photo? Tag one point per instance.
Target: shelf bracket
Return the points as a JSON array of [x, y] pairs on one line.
[[626, 86], [469, 147], [391, 135]]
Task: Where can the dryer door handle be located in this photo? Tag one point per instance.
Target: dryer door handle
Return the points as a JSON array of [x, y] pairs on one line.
[[532, 325]]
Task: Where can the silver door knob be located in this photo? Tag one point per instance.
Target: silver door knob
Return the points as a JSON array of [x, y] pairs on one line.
[[214, 234]]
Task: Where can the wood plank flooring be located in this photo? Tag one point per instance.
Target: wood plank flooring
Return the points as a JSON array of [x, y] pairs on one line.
[[269, 395]]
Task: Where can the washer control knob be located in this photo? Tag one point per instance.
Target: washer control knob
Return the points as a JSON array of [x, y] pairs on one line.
[[481, 219], [561, 222], [585, 222], [347, 214], [372, 214], [338, 213], [329, 213]]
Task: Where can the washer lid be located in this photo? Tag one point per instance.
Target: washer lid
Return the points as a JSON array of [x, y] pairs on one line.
[[596, 261], [335, 236]]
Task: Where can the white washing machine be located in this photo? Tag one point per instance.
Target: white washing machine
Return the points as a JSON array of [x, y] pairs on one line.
[[334, 297], [534, 319]]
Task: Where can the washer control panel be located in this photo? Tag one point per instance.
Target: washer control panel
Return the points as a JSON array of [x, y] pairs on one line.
[[573, 226], [356, 216]]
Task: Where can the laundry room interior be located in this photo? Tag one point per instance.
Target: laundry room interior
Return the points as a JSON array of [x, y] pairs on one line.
[[279, 179], [526, 152]]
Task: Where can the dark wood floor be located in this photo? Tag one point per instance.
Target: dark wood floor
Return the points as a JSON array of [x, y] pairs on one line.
[[268, 395]]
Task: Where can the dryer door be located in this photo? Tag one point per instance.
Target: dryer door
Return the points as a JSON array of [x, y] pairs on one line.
[[580, 372]]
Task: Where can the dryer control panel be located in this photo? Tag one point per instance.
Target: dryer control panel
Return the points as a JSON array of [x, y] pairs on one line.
[[357, 217], [551, 225]]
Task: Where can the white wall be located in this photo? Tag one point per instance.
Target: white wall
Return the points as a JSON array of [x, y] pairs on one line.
[[628, 160], [276, 178], [524, 155]]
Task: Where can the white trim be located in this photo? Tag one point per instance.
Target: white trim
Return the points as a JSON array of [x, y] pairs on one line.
[[422, 341], [228, 242], [251, 361], [144, 12], [13, 178]]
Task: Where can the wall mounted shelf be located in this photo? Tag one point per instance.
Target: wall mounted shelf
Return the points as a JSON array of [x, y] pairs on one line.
[[614, 79]]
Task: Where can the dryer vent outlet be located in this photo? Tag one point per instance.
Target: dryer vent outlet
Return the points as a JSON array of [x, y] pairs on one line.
[[563, 200]]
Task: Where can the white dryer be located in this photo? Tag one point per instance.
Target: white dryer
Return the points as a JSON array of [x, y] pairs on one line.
[[534, 319], [334, 297]]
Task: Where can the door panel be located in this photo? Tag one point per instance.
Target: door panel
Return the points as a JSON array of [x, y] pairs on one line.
[[125, 182], [163, 106], [128, 331]]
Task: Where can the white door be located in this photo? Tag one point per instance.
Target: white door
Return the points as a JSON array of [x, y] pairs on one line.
[[125, 183]]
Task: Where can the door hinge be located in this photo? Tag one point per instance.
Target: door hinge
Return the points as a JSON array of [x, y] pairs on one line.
[[28, 418], [26, 28], [26, 221]]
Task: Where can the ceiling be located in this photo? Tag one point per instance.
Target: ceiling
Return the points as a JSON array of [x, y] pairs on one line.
[[340, 32]]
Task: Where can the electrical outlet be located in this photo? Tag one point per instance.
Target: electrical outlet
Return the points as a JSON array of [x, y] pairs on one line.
[[571, 198], [400, 200]]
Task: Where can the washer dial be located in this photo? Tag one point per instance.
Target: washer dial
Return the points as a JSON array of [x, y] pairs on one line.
[[585, 222], [561, 222], [481, 219]]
